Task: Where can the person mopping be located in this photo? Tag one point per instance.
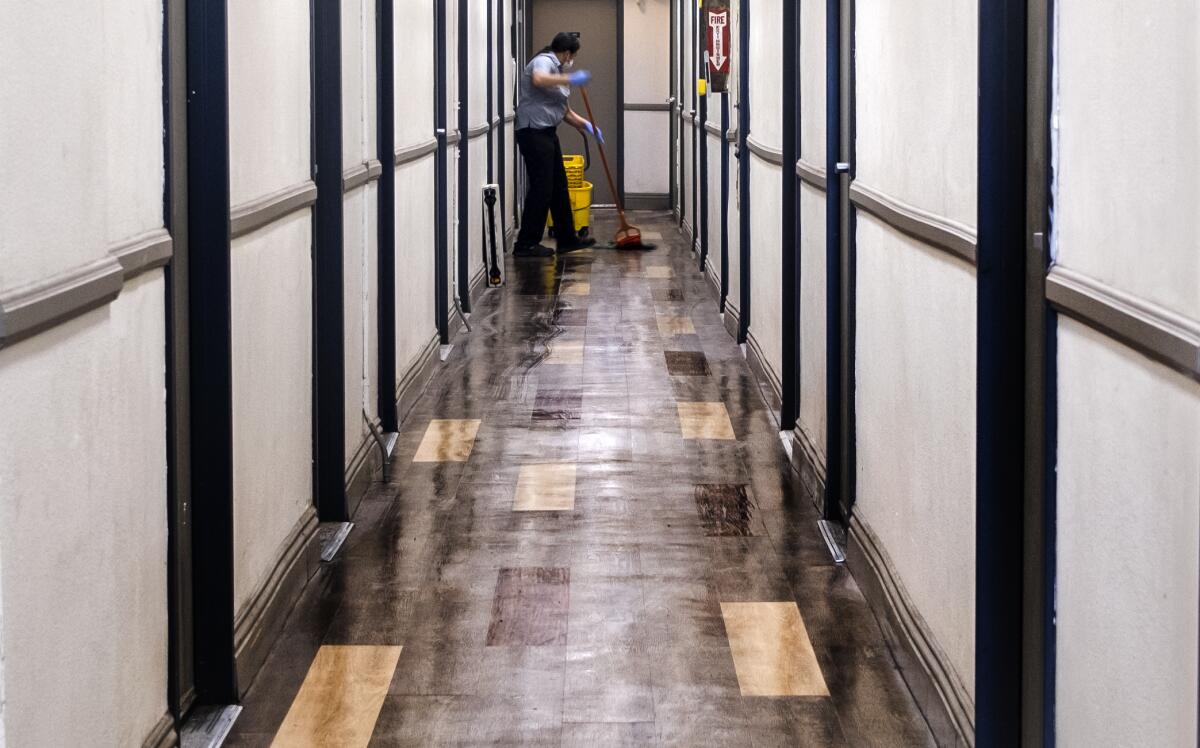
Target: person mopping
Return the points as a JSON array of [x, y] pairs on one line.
[[544, 91]]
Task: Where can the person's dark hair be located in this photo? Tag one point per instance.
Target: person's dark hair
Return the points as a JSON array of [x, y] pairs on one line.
[[563, 42]]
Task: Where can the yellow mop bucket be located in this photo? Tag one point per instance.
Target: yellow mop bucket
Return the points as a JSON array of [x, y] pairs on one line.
[[574, 166], [581, 204]]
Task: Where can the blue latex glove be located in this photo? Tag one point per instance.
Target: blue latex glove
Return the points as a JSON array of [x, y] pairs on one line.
[[594, 131], [579, 78]]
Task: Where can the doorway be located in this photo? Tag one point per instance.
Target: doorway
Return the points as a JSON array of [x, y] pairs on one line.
[[596, 23]]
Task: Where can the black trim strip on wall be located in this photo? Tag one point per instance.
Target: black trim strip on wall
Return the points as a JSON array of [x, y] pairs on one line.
[[935, 231], [743, 128], [210, 337], [724, 290], [385, 93], [620, 114], [260, 212], [811, 174], [835, 429], [1160, 334], [700, 140], [329, 268], [790, 266], [411, 153], [441, 270], [463, 43], [359, 174]]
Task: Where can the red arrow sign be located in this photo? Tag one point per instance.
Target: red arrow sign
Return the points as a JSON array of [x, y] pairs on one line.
[[720, 51]]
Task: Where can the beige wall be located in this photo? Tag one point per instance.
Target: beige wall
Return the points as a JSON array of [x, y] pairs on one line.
[[812, 421], [915, 398], [270, 150], [83, 589], [83, 540], [78, 132], [361, 221], [1127, 159], [766, 261], [915, 370]]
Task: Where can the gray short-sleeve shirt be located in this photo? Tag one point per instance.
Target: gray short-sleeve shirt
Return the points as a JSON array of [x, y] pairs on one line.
[[541, 107]]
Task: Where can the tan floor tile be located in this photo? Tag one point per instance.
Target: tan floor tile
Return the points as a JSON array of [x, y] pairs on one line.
[[576, 288], [659, 271], [340, 699], [670, 326], [548, 487], [771, 650], [448, 441], [565, 352], [705, 421]]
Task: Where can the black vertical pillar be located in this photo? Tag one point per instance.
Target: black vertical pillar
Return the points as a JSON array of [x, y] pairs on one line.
[[210, 363], [491, 97], [502, 126], [1000, 427], [833, 261], [385, 93], [464, 150], [743, 53], [790, 266], [328, 264], [441, 301], [724, 200], [702, 141]]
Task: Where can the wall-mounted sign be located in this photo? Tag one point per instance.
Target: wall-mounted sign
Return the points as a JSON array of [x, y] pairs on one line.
[[720, 49]]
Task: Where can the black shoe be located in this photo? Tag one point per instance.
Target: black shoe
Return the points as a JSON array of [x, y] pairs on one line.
[[578, 244], [535, 250]]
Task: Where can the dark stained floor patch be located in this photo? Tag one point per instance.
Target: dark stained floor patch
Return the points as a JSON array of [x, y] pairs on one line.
[[687, 364], [725, 509], [557, 406], [668, 294], [530, 607], [570, 317]]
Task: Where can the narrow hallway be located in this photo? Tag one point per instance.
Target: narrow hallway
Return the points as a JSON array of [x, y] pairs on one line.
[[591, 536]]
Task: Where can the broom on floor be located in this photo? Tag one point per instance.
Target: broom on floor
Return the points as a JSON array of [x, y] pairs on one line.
[[628, 236]]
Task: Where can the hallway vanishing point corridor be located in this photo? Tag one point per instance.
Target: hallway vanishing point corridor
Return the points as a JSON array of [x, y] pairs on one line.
[[591, 536]]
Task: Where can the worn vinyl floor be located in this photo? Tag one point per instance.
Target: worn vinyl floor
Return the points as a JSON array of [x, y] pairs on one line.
[[591, 537]]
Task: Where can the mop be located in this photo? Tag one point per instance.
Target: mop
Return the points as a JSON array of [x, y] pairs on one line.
[[628, 236]]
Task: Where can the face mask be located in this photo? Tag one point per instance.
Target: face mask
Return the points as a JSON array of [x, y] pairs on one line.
[[568, 65]]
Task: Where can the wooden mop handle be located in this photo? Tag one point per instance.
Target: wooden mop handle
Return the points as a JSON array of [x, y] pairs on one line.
[[604, 159]]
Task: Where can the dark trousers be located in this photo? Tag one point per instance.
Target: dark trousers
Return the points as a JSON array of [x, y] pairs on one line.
[[546, 187]]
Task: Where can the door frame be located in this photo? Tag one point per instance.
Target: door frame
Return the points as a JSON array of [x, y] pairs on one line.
[[619, 14]]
